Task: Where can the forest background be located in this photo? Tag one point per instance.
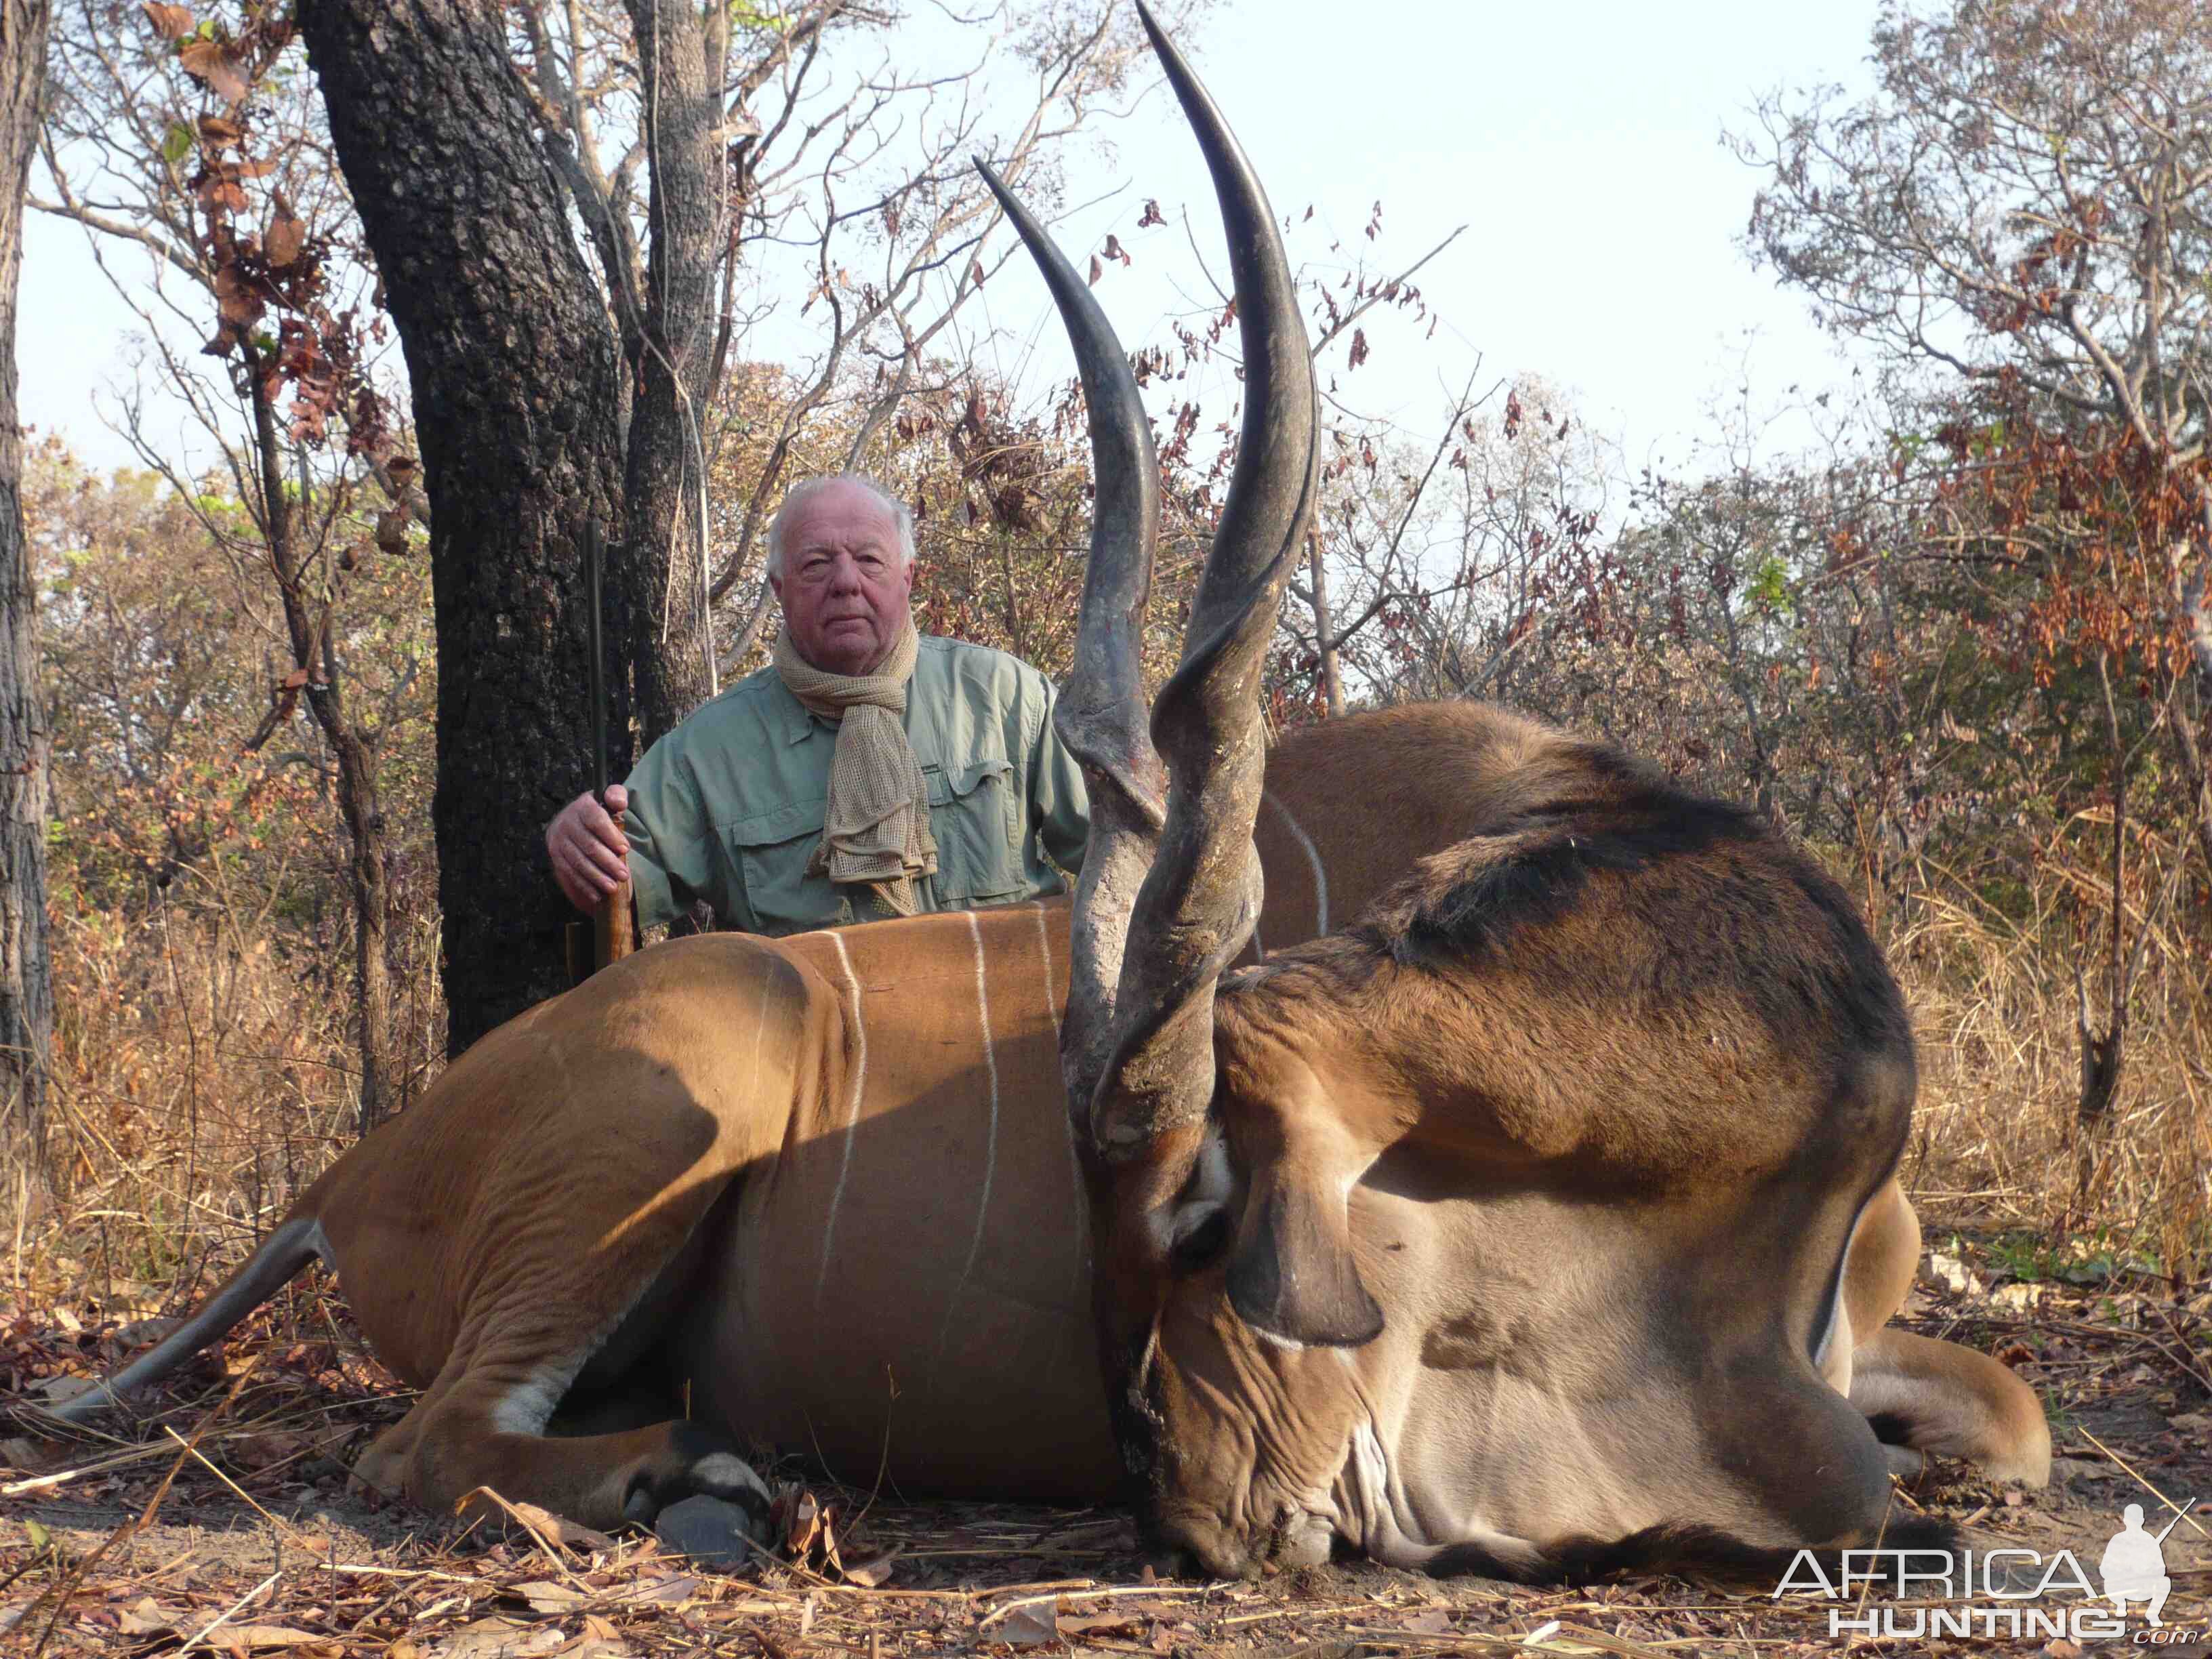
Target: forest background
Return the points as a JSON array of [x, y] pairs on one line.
[[1954, 635]]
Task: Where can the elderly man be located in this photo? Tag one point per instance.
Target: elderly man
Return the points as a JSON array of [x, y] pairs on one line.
[[868, 772]]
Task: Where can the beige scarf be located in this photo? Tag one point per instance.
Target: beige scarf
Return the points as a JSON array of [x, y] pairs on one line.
[[875, 829]]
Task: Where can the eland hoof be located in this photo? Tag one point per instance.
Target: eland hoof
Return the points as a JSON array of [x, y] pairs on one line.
[[712, 1532]]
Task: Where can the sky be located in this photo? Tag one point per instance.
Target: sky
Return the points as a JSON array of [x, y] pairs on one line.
[[1580, 144]]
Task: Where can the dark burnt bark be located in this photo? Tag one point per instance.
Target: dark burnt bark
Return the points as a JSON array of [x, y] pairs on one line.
[[669, 645], [513, 376], [27, 1008]]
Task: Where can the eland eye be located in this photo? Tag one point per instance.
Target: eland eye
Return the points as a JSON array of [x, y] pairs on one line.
[[1199, 1243]]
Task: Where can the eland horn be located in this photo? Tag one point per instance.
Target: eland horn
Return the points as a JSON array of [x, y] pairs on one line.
[[1137, 1051]]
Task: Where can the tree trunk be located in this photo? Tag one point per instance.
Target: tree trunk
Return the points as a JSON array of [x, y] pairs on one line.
[[514, 381], [665, 636], [368, 858], [1325, 641], [27, 1004]]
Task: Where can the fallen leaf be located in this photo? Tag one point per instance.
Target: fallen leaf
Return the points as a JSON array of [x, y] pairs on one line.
[[872, 1572], [543, 1596], [147, 1617], [666, 1592], [144, 1332], [498, 1639], [1030, 1625], [259, 1451], [21, 1454], [1098, 1624], [254, 1637], [562, 1532], [1953, 1275]]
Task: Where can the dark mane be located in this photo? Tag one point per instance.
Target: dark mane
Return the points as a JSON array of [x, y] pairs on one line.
[[1703, 894]]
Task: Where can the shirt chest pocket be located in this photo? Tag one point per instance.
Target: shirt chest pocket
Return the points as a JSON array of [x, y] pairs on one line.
[[977, 821], [768, 853]]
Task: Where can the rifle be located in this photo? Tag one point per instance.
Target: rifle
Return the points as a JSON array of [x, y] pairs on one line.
[[613, 928]]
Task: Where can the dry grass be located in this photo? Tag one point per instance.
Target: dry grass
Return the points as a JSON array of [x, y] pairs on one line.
[[1996, 1137], [204, 1073]]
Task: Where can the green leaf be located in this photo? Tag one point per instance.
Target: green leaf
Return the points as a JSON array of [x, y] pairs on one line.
[[177, 144], [40, 1538]]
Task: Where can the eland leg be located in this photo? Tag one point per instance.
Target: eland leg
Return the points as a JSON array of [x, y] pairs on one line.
[[535, 1239], [1923, 1395], [556, 1334]]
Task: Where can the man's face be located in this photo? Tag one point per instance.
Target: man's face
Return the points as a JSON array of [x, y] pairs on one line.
[[843, 586]]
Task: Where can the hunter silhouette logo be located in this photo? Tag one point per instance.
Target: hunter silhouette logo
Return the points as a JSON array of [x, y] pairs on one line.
[[2133, 1566]]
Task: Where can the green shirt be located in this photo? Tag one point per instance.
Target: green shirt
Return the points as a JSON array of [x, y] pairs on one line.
[[728, 807]]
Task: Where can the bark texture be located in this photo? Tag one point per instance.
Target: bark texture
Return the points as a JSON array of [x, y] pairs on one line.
[[27, 1007], [670, 646], [514, 381]]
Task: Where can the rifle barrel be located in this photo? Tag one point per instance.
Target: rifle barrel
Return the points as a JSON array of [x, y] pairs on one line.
[[595, 633]]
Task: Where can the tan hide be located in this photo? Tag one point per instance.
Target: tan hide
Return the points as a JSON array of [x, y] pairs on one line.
[[824, 1188]]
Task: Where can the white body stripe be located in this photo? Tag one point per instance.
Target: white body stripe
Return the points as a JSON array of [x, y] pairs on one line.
[[1313, 859], [990, 1144], [852, 1118]]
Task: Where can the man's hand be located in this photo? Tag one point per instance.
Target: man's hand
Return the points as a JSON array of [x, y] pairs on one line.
[[591, 854]]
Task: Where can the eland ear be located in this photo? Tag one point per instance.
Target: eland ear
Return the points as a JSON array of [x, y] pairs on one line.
[[1291, 1272], [1293, 1275]]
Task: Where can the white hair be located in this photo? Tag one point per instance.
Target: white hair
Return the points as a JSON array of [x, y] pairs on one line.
[[807, 490]]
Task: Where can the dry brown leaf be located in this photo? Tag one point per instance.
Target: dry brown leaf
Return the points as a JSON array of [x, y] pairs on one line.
[[668, 1592], [543, 1596], [146, 1617], [22, 1453], [259, 1451], [1029, 1626], [257, 1637], [287, 236], [211, 62], [170, 22], [541, 1524], [872, 1573], [499, 1638], [1098, 1624]]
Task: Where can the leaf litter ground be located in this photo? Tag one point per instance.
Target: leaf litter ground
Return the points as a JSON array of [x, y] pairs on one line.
[[221, 1524]]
